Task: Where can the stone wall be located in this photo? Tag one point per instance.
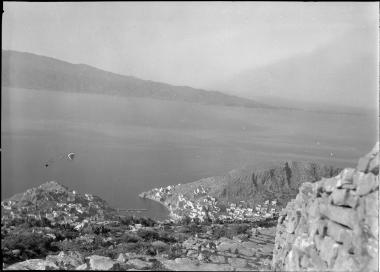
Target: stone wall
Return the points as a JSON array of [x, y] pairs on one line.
[[333, 223]]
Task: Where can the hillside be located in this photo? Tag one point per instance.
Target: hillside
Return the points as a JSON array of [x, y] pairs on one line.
[[30, 71], [58, 204], [249, 187], [51, 227]]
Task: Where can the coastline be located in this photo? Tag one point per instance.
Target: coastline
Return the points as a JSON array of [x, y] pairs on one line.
[[146, 195]]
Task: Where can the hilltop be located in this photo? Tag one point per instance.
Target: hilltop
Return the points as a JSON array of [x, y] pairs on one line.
[[30, 71]]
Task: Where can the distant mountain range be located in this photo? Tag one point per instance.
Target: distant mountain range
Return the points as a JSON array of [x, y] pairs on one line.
[[30, 71], [343, 72]]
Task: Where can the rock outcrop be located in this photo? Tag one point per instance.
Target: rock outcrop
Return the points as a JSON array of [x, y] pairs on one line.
[[332, 224]]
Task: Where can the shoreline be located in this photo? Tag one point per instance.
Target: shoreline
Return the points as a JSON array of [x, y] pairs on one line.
[[145, 195]]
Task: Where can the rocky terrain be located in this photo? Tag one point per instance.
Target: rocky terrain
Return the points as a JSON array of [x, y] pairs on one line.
[[242, 194], [333, 224], [53, 227]]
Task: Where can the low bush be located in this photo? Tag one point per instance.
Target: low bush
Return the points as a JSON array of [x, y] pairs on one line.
[[129, 238], [29, 245], [148, 235]]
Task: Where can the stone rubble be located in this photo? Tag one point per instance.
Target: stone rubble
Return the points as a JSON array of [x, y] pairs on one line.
[[333, 223]]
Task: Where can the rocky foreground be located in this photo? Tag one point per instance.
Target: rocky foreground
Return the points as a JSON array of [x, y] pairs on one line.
[[331, 225], [53, 227]]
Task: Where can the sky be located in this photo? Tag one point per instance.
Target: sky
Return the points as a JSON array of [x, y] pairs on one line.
[[192, 43]]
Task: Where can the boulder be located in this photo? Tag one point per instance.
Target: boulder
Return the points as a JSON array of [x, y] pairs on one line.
[[66, 261], [33, 264], [227, 246], [101, 263], [328, 185], [329, 250], [344, 197], [217, 259], [122, 258], [341, 215], [339, 232], [181, 264], [366, 183], [346, 262], [237, 262], [82, 267], [140, 264]]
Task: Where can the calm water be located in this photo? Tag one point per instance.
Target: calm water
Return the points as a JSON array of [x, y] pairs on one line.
[[127, 145]]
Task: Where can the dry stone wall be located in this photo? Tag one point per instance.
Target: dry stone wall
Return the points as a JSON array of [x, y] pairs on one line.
[[333, 223]]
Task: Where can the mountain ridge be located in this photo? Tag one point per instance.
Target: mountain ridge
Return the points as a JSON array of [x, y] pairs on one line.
[[32, 71]]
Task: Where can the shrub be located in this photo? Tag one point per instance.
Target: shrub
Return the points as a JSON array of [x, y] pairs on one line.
[[129, 238], [174, 251], [31, 245], [148, 235], [100, 230], [166, 237], [131, 220]]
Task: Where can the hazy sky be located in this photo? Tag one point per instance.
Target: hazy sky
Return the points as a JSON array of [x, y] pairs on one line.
[[192, 44]]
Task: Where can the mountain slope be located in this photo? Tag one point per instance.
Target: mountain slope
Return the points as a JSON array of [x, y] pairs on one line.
[[30, 71], [343, 72]]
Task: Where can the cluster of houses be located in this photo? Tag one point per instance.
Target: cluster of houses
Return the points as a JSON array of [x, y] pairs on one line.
[[239, 212], [201, 206], [204, 207], [74, 214]]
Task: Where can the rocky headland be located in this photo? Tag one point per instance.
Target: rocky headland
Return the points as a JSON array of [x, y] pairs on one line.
[[246, 194]]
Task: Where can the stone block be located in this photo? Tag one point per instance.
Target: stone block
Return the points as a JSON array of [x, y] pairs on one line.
[[372, 204], [317, 263], [292, 262], [329, 184], [363, 164], [346, 262], [366, 183], [338, 232], [313, 209], [305, 261], [344, 197], [374, 165], [329, 250], [293, 219], [346, 176], [321, 227], [341, 215]]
